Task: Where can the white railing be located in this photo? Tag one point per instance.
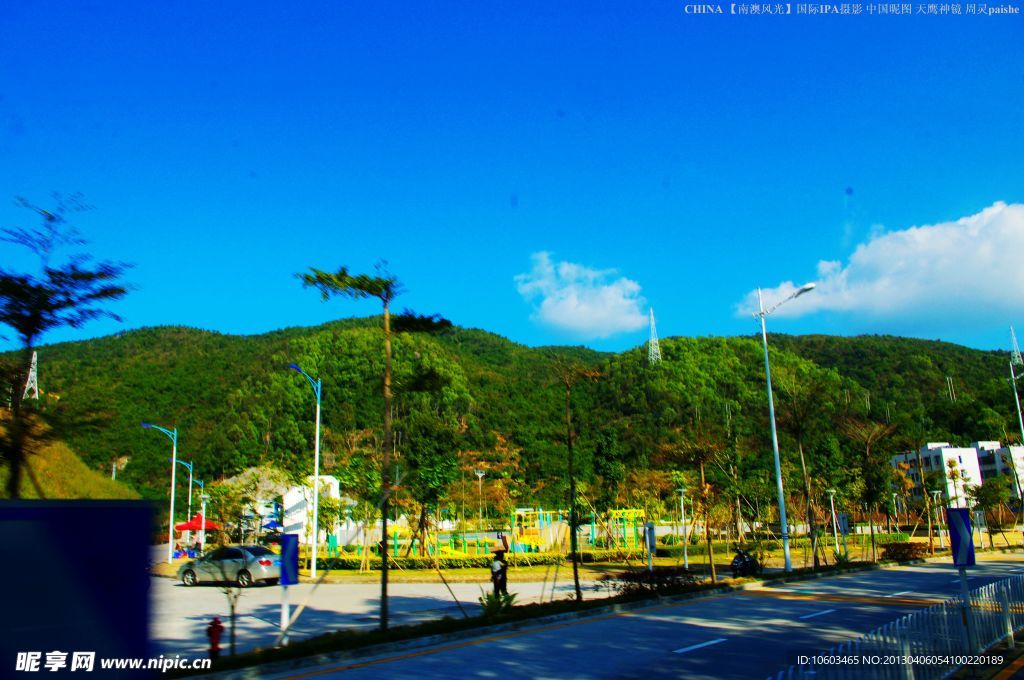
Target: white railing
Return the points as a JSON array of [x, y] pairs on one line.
[[930, 643]]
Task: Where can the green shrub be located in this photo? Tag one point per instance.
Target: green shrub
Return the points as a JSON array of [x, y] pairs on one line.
[[496, 605], [661, 580], [700, 549], [904, 551], [443, 562]]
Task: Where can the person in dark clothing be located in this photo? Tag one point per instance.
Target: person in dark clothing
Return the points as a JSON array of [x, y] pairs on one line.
[[499, 573]]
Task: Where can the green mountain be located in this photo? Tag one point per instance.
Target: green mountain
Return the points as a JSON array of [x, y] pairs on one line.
[[237, 405]]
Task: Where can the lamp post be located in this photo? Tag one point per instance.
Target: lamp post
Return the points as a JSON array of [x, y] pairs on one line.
[[188, 532], [835, 526], [202, 490], [204, 497], [480, 496], [173, 436], [1015, 358], [682, 518], [316, 385], [761, 314], [938, 517]]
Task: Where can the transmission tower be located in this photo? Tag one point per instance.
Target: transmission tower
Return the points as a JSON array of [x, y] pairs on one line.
[[653, 349], [32, 384], [1015, 355]]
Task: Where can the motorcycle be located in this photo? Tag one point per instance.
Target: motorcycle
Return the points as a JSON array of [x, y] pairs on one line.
[[744, 564]]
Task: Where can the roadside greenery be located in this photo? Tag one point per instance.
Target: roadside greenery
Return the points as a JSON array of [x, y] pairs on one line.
[[464, 399]]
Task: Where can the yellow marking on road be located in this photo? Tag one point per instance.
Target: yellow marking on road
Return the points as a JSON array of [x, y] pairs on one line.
[[834, 597]]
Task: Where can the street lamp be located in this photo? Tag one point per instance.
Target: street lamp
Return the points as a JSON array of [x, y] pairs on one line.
[[761, 314], [202, 490], [188, 465], [938, 517], [1015, 358], [480, 496], [682, 518], [204, 497], [316, 385], [835, 528], [173, 435]]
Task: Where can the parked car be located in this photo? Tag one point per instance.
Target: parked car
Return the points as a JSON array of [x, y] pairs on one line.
[[241, 564]]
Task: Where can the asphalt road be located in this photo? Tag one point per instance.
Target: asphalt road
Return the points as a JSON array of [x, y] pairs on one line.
[[180, 615], [747, 634]]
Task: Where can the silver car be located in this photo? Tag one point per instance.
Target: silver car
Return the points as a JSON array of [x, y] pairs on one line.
[[242, 564]]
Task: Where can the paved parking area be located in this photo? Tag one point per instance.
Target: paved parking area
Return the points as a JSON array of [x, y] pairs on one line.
[[180, 614]]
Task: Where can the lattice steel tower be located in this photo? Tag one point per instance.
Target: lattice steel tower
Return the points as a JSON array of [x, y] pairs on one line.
[[32, 384], [653, 348]]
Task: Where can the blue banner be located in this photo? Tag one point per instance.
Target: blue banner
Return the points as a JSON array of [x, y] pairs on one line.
[[961, 537], [289, 559]]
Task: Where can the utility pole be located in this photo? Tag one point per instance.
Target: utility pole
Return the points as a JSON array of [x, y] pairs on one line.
[[480, 497]]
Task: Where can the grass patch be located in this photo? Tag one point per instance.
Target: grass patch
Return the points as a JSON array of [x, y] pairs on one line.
[[61, 474]]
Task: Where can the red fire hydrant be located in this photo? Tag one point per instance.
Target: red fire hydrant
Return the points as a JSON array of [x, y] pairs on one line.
[[213, 631]]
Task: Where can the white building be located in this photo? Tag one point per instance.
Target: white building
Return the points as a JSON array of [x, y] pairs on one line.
[[996, 459], [942, 458], [298, 505]]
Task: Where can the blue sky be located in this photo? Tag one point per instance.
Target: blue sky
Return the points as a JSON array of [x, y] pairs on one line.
[[546, 171]]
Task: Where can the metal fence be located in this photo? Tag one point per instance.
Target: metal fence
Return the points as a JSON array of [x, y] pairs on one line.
[[930, 643]]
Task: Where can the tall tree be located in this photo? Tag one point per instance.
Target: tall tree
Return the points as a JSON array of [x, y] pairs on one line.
[[803, 406], [68, 294], [385, 288], [701, 449], [990, 496], [569, 373], [875, 470]]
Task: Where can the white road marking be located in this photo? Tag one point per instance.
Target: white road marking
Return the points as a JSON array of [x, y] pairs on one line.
[[902, 592], [684, 650], [811, 616]]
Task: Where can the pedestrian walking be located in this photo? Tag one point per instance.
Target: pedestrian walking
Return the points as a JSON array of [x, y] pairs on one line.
[[499, 573]]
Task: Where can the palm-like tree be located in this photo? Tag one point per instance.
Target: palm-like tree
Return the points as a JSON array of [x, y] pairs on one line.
[[384, 287], [868, 434]]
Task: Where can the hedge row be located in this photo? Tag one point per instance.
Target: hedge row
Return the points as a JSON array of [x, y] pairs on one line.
[[444, 562], [904, 551], [474, 561], [586, 556], [794, 543]]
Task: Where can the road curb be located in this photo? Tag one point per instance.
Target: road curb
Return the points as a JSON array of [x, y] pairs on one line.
[[411, 644], [389, 648]]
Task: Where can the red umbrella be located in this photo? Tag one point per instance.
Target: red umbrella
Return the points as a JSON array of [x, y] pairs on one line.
[[196, 524]]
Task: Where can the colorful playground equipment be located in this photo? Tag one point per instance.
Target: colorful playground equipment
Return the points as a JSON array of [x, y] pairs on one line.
[[536, 529], [529, 530], [624, 528]]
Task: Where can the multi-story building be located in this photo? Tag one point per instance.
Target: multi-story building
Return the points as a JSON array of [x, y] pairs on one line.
[[972, 465], [996, 459], [958, 466]]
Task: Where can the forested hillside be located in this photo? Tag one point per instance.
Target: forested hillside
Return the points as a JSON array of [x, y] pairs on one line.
[[465, 398]]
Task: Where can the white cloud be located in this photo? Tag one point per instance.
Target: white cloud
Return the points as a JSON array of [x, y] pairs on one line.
[[959, 271], [589, 303]]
